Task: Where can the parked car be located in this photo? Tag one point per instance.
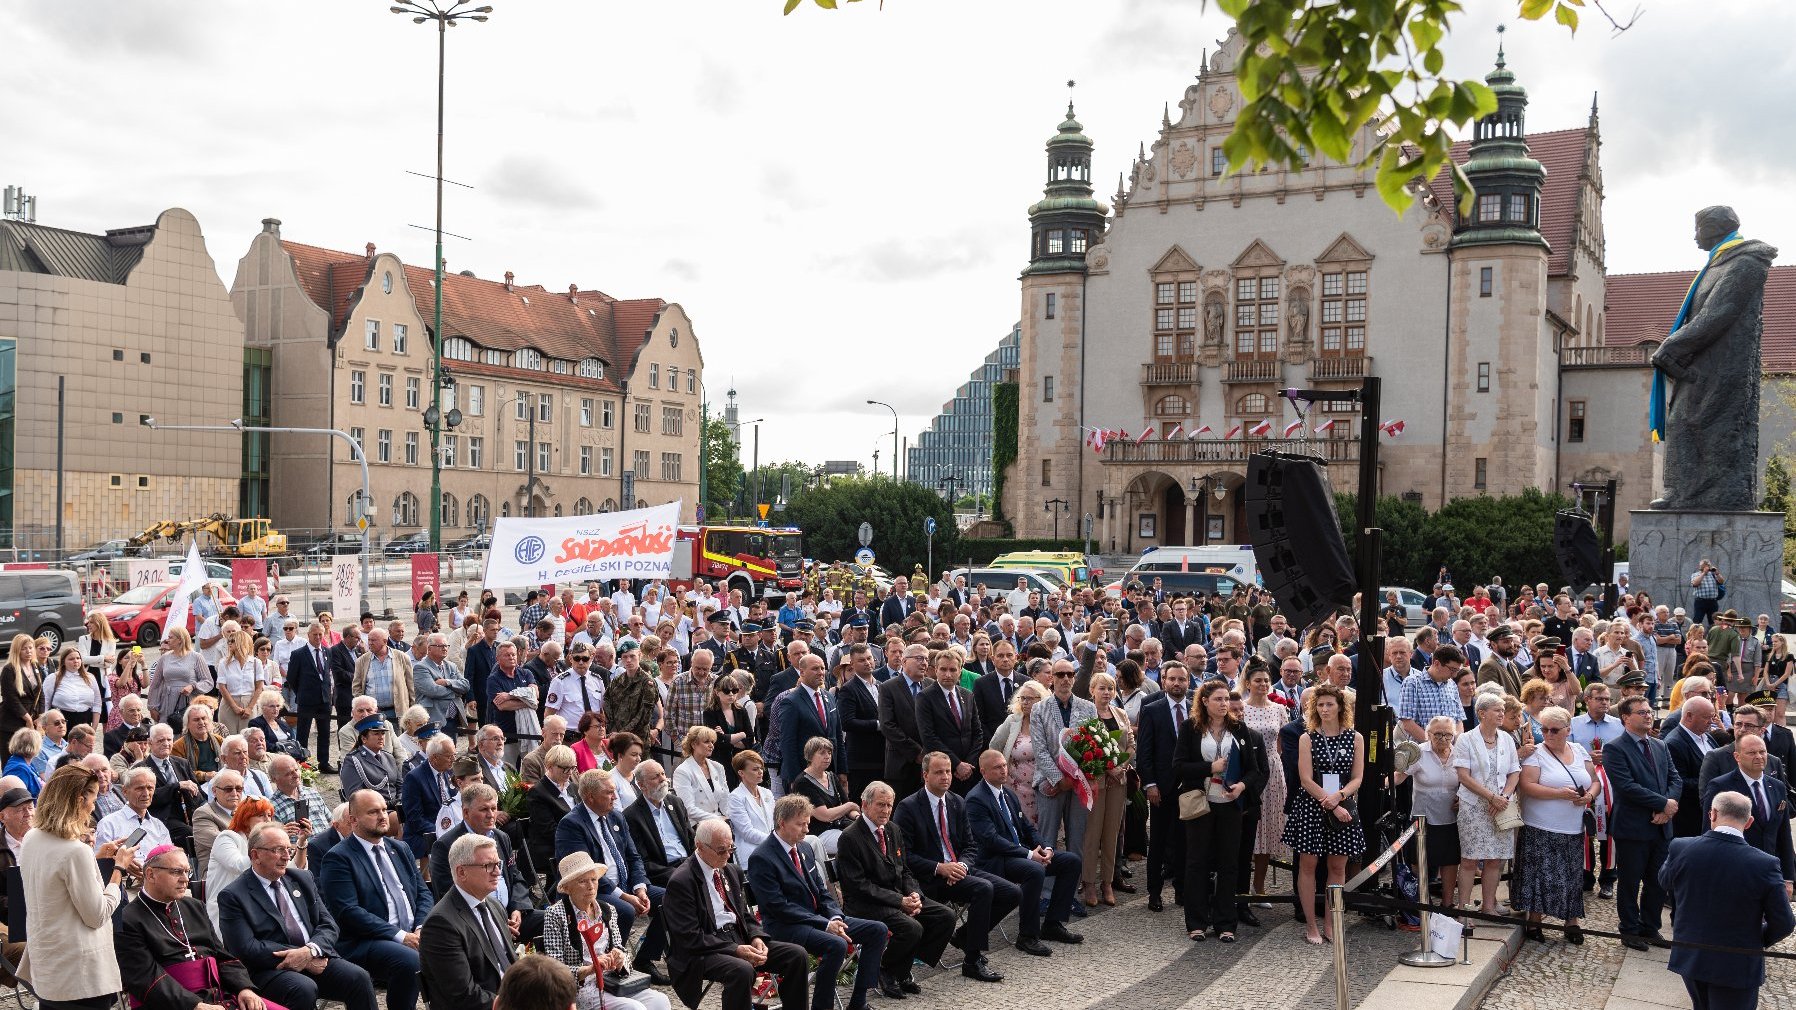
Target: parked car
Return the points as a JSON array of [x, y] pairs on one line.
[[469, 546], [105, 551], [415, 543], [321, 549], [216, 571], [138, 615], [1181, 583], [41, 604], [1414, 614], [999, 581]]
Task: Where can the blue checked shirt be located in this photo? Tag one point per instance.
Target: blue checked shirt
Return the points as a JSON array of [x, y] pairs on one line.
[[1424, 698]]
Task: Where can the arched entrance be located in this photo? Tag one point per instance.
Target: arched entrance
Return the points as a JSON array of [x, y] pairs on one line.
[[1172, 515]]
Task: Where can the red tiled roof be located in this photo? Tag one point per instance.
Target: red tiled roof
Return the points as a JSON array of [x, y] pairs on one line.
[[1639, 307], [1561, 152], [563, 325]]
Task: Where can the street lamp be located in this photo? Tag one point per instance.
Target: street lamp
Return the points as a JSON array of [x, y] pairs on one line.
[[1212, 483], [446, 15], [1050, 503], [530, 400], [894, 410], [757, 463], [947, 484]]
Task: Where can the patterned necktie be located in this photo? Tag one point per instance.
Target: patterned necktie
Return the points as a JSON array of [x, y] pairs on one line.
[[289, 921], [722, 892], [823, 720], [954, 706], [501, 949], [1761, 807], [881, 834], [798, 864], [941, 822], [402, 909]]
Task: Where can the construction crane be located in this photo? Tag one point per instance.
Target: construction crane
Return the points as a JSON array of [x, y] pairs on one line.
[[242, 538]]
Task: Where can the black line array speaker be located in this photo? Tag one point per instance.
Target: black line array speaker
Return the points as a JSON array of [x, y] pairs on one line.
[[1579, 552], [1296, 536]]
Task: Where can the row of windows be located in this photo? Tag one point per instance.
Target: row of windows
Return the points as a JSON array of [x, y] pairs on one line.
[[463, 349], [453, 446], [1258, 315], [407, 510], [475, 395], [1506, 208]]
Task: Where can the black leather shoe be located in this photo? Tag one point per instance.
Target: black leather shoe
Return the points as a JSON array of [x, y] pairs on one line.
[[1154, 904], [1574, 935], [328, 769], [890, 989], [1652, 934], [1122, 888], [1125, 873], [1634, 943], [655, 974], [909, 985], [1030, 945], [979, 972], [1606, 891], [1058, 933], [1247, 915], [1535, 933]]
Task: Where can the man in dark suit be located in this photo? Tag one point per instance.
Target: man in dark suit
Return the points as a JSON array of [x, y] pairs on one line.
[[465, 939], [876, 884], [1748, 721], [1647, 788], [898, 720], [992, 691], [898, 604], [482, 659], [659, 823], [342, 658], [719, 939], [806, 712], [320, 844], [314, 693], [1727, 894], [372, 889], [274, 920], [597, 828], [857, 699], [425, 795], [1181, 631], [1007, 846], [480, 816], [940, 857], [1162, 718], [177, 792], [949, 722], [796, 906], [1690, 743], [1769, 831], [166, 926]]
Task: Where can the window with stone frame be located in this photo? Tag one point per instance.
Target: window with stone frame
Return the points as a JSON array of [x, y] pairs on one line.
[[1256, 317], [1172, 405], [1175, 316], [1344, 294], [1253, 405]]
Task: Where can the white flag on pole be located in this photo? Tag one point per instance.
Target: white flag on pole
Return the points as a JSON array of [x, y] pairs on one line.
[[193, 576]]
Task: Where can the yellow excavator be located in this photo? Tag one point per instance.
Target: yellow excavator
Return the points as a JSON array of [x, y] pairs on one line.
[[241, 538]]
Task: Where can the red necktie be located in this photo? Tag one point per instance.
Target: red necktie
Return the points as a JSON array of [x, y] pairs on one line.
[[941, 820], [881, 832], [823, 720], [798, 865], [954, 707], [717, 882]]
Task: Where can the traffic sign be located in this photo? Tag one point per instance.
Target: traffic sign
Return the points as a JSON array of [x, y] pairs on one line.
[[361, 523], [763, 508], [864, 556], [865, 533], [929, 526]]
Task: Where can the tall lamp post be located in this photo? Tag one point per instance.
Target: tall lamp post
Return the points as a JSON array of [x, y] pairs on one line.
[[947, 485], [894, 410], [1056, 513], [447, 15], [756, 460]]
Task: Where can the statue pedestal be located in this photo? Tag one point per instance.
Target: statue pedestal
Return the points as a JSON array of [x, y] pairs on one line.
[[1665, 548]]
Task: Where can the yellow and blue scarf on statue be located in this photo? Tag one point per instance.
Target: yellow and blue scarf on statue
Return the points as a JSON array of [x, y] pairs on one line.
[[1655, 410]]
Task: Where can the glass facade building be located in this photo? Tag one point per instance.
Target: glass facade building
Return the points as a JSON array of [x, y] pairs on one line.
[[957, 445]]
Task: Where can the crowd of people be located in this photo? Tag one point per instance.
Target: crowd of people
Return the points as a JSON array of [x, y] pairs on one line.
[[679, 791]]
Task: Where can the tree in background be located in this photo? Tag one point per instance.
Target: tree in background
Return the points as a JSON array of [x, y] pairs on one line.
[[723, 467], [1475, 538], [1778, 498], [831, 514]]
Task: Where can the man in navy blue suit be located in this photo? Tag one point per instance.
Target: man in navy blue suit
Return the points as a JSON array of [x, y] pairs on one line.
[[372, 888], [1727, 894], [796, 907], [274, 920], [1769, 831], [597, 828], [1647, 788], [940, 856], [807, 712], [314, 692], [1006, 845], [1162, 718]]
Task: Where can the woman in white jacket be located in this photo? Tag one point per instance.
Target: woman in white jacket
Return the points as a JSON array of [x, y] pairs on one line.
[[698, 779], [751, 805]]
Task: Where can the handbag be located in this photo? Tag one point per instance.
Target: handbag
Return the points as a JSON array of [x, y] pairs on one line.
[[1332, 823], [1510, 817], [1193, 803], [625, 982]]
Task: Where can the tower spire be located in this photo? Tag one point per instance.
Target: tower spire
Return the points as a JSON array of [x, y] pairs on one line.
[[1070, 84], [1500, 30]]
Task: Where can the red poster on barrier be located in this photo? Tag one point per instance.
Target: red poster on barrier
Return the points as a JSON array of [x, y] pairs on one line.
[[246, 572], [426, 573]]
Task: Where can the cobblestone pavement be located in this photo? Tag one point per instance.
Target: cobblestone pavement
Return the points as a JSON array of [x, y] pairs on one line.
[[1558, 976]]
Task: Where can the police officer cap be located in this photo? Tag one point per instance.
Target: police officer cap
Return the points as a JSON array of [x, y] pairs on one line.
[[804, 624], [750, 627], [372, 724], [858, 621]]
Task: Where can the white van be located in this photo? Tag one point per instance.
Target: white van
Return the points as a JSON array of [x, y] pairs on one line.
[[1235, 561]]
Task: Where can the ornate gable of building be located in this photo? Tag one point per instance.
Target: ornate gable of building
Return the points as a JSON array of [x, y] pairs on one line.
[[1345, 250], [1176, 260], [1257, 254]]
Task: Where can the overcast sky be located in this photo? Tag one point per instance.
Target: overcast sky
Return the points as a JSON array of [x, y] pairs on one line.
[[838, 199]]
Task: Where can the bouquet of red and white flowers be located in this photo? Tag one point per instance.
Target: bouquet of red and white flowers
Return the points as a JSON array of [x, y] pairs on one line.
[[1089, 751]]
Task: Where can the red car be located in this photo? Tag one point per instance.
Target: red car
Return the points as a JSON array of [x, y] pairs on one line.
[[138, 615]]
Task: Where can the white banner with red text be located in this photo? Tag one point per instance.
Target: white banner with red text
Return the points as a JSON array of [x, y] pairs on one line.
[[635, 544]]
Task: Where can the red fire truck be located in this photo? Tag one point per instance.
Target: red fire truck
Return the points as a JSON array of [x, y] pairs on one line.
[[759, 560]]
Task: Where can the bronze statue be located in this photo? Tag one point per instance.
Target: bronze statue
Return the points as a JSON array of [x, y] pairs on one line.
[[1711, 416]]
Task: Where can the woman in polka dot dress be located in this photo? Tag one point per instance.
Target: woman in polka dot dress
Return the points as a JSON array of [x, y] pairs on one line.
[[1331, 761]]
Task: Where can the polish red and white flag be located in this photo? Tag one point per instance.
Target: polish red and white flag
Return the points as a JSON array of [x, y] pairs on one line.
[[1177, 430], [1262, 429], [1145, 432], [1326, 426], [1200, 432], [1232, 432], [1294, 426]]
